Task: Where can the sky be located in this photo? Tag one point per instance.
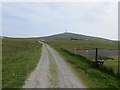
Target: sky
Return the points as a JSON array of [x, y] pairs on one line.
[[37, 19]]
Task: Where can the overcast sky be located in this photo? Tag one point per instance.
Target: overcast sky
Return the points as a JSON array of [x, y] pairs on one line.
[[98, 19]]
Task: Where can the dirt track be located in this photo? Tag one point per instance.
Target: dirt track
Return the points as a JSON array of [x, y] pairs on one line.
[[52, 72]]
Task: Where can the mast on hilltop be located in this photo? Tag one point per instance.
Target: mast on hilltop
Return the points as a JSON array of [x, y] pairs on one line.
[[66, 30]]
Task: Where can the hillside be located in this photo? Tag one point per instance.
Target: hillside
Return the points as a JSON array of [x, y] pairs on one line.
[[74, 36]]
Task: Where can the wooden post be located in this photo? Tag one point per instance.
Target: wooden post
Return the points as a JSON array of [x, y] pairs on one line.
[[96, 55], [119, 63], [118, 66]]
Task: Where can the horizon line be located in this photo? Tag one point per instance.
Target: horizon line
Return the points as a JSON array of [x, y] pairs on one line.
[[6, 36]]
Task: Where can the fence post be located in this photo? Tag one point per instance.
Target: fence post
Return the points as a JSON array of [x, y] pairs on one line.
[[96, 54], [118, 64]]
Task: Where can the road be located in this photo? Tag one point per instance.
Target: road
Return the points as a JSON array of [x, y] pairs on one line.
[[52, 72]]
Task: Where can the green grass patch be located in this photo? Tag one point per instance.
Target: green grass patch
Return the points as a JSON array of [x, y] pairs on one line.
[[19, 58], [53, 71], [113, 64]]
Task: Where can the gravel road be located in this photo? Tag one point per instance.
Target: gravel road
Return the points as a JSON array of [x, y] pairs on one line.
[[52, 72]]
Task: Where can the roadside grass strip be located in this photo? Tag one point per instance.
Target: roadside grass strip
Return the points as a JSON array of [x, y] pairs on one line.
[[53, 71]]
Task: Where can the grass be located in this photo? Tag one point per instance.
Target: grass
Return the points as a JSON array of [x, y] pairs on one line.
[[53, 71], [112, 64], [84, 44], [19, 58]]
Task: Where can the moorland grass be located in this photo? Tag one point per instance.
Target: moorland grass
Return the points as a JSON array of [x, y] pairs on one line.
[[19, 58], [84, 44]]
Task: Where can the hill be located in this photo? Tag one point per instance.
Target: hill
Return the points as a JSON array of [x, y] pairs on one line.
[[73, 36]]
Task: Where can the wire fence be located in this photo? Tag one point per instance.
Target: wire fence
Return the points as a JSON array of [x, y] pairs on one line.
[[102, 54]]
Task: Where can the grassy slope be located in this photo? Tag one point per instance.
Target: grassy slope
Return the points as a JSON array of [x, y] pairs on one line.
[[19, 58], [92, 77], [84, 44]]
